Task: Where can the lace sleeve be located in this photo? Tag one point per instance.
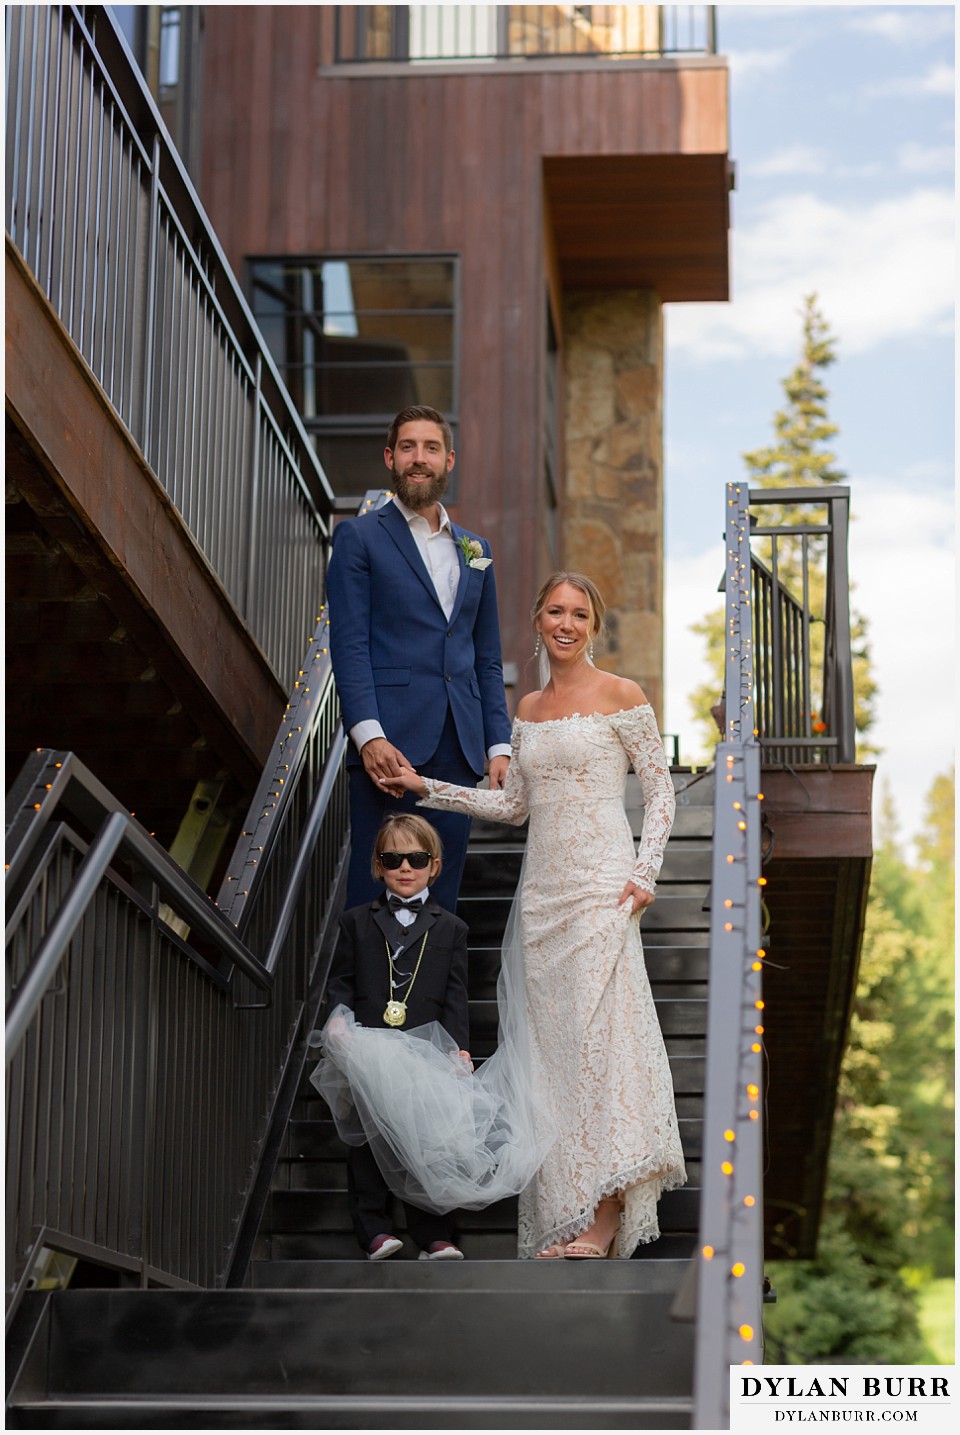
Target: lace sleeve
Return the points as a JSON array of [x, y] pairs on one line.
[[637, 730], [506, 804]]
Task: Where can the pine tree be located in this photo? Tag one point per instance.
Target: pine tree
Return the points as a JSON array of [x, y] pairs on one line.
[[888, 1214], [799, 457]]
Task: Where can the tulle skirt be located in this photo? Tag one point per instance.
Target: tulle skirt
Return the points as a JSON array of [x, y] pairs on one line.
[[444, 1137]]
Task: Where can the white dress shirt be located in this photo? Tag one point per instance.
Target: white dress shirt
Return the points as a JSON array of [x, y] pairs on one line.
[[405, 916], [441, 560]]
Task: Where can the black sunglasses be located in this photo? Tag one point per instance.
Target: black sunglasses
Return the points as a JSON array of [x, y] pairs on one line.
[[392, 860]]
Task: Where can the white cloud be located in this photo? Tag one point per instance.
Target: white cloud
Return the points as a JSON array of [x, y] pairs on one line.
[[883, 270], [938, 80], [797, 159], [749, 64], [916, 26], [902, 567], [925, 159]]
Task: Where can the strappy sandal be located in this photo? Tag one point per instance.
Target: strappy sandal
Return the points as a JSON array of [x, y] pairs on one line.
[[551, 1253], [587, 1251]]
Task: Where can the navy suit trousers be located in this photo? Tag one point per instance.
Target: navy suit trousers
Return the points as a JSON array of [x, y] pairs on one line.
[[370, 805]]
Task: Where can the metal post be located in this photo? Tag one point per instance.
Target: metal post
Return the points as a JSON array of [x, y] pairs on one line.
[[148, 319], [844, 719]]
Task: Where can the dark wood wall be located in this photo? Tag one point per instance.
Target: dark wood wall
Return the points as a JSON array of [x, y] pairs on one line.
[[301, 157]]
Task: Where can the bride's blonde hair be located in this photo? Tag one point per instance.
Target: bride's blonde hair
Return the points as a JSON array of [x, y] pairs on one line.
[[587, 587]]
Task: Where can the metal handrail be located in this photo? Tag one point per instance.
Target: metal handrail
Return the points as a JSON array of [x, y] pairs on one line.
[[522, 33], [730, 1250], [120, 831], [59, 937], [101, 210]]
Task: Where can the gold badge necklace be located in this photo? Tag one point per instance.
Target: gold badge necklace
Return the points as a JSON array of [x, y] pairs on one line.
[[395, 1013]]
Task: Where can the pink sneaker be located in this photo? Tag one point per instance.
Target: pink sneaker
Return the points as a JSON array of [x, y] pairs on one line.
[[383, 1246], [442, 1251]]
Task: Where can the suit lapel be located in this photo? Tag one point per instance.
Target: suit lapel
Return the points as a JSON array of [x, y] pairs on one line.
[[394, 523], [390, 927], [458, 533]]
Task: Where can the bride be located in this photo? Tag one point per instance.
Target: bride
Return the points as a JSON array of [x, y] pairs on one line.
[[593, 1048]]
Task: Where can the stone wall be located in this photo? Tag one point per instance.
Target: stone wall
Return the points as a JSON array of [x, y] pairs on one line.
[[613, 509]]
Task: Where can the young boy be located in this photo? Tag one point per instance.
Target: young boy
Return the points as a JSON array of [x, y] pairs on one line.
[[401, 960]]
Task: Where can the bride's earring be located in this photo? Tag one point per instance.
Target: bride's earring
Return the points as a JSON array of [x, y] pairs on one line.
[[590, 650], [536, 647]]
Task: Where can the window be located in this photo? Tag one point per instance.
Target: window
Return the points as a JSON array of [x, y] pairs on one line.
[[357, 339]]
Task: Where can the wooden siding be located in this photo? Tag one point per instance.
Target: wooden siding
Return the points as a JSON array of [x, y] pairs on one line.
[[300, 157]]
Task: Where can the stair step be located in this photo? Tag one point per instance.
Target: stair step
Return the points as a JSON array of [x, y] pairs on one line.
[[605, 1340], [317, 1140], [642, 1278], [326, 1210], [686, 1016], [686, 1067], [689, 822], [666, 957], [323, 1412], [679, 910], [297, 1246]]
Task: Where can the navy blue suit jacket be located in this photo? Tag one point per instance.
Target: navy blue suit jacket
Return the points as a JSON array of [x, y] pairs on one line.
[[397, 658]]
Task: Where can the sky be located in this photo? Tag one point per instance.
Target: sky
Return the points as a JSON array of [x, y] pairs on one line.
[[841, 129]]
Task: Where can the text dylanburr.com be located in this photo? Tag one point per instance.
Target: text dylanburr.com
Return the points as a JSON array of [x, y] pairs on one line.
[[798, 1397]]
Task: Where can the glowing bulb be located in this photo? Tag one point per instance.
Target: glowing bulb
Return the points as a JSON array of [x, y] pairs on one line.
[[738, 1269], [746, 1332], [729, 1135], [708, 1253], [727, 1168], [749, 1200]]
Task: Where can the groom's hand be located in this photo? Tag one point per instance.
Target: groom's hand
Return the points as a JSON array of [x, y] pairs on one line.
[[382, 760], [497, 767]]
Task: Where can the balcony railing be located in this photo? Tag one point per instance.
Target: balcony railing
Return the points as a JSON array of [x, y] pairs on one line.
[[102, 212], [431, 33], [803, 664]]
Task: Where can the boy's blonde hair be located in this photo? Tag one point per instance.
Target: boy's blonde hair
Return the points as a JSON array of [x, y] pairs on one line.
[[415, 829]]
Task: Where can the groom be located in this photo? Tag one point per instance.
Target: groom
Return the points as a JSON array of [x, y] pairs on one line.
[[415, 643]]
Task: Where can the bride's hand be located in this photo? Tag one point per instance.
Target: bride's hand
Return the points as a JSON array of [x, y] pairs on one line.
[[637, 897], [405, 781]]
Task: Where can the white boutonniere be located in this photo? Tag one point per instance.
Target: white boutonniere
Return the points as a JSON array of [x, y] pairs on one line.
[[473, 553]]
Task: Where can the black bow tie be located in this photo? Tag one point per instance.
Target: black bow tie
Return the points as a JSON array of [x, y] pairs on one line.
[[396, 903]]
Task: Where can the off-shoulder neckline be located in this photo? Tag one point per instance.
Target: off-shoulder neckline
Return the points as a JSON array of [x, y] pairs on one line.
[[582, 717]]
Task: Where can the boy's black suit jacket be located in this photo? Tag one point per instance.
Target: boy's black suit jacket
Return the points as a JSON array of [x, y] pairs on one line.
[[360, 975]]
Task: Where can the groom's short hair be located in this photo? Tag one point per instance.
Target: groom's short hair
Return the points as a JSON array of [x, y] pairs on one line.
[[411, 415]]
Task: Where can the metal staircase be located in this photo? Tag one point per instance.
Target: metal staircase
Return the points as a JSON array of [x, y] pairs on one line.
[[319, 1338]]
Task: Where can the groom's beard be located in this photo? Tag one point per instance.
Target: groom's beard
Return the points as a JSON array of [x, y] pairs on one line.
[[422, 494]]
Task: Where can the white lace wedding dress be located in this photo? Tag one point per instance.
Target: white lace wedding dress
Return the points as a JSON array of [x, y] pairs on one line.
[[596, 1051]]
